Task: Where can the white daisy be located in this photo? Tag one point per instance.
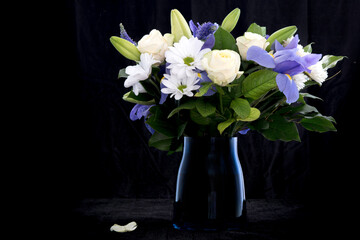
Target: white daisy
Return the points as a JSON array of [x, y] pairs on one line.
[[300, 80], [317, 73], [139, 73], [185, 57], [178, 87]]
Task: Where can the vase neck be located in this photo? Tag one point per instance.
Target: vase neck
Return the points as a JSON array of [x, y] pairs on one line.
[[210, 141], [210, 146]]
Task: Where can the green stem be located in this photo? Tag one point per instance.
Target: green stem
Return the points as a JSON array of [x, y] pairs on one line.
[[265, 97], [221, 104], [154, 84]]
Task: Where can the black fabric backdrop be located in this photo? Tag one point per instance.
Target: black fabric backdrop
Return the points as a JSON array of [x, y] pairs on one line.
[[104, 154]]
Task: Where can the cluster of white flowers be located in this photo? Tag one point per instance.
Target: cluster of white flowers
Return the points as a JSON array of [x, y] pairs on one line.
[[184, 60], [187, 58]]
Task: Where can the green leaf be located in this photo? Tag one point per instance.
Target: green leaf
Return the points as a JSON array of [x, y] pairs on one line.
[[254, 114], [241, 107], [159, 123], [330, 61], [219, 89], [126, 48], [235, 91], [180, 129], [142, 98], [160, 141], [308, 95], [222, 126], [231, 20], [318, 124], [308, 48], [254, 28], [122, 73], [258, 83], [261, 124], [224, 40], [204, 88], [205, 108], [188, 105], [281, 129], [281, 35], [198, 119]]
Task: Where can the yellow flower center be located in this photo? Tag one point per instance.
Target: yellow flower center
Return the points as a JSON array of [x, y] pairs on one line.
[[188, 60], [288, 76], [271, 55], [182, 87], [224, 55]]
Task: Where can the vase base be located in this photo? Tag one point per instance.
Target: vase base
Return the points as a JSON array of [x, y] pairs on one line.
[[210, 227]]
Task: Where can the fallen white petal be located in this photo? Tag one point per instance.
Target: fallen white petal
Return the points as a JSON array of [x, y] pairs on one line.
[[127, 228], [131, 226]]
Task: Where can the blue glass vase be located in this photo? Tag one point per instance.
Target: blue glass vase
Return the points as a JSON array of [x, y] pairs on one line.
[[210, 193]]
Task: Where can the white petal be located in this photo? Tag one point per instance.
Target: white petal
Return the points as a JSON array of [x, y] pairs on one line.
[[127, 228], [178, 95], [130, 81], [167, 90], [138, 88], [169, 84], [132, 70]]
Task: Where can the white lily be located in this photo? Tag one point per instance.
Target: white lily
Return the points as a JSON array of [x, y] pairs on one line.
[[139, 73]]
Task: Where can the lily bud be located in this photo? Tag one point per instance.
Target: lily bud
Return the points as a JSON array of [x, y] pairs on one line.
[[126, 48], [231, 20], [179, 26]]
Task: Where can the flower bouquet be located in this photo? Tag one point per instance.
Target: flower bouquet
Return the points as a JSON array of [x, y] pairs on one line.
[[199, 80]]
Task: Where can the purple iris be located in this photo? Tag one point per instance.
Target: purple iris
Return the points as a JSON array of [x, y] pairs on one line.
[[204, 32], [163, 96], [287, 63], [140, 111], [124, 35]]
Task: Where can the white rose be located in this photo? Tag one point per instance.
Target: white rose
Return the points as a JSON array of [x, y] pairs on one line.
[[248, 40], [156, 44], [222, 66]]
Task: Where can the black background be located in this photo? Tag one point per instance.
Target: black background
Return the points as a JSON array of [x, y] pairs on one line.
[[96, 151]]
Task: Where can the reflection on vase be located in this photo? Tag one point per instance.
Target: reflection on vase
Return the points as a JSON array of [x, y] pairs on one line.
[[210, 193]]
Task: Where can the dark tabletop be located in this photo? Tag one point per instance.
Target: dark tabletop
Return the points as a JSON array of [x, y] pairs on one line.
[[266, 219]]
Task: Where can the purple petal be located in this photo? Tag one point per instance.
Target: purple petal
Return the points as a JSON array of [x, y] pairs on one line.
[[311, 59], [260, 56], [278, 46], [163, 96], [286, 54], [139, 111], [151, 130], [289, 67], [245, 131], [133, 112], [288, 87], [293, 43], [205, 30], [124, 35], [193, 27], [209, 43]]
